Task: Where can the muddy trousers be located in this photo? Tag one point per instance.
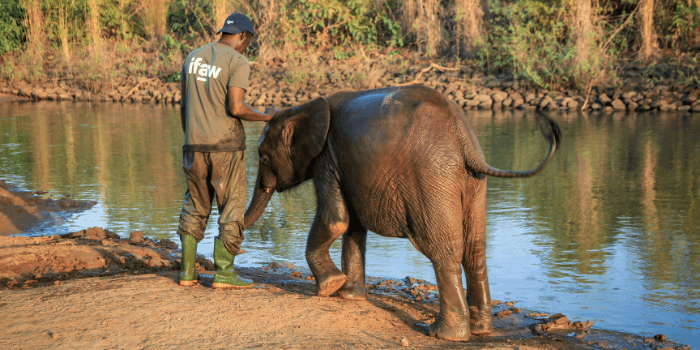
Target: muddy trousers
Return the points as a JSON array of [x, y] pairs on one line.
[[220, 174]]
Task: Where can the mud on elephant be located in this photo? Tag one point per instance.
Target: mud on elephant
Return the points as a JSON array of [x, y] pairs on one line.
[[401, 162]]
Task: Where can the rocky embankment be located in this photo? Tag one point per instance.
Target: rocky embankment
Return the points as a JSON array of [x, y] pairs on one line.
[[468, 87]]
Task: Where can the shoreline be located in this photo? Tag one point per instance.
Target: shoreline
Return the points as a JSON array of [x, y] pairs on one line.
[[470, 88], [94, 276]]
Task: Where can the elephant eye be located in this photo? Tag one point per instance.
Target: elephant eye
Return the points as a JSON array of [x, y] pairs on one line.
[[264, 160]]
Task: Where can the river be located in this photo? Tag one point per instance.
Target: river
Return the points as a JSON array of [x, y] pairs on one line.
[[609, 232]]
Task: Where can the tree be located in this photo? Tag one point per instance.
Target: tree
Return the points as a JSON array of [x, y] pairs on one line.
[[468, 30], [94, 27], [219, 13], [422, 18], [583, 30], [34, 24], [646, 22]]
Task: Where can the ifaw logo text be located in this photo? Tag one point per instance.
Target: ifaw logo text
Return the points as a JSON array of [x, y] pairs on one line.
[[203, 71]]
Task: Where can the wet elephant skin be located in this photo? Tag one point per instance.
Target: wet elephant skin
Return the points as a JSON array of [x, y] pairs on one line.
[[401, 162]]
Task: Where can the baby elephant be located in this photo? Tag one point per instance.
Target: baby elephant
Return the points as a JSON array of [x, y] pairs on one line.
[[401, 162]]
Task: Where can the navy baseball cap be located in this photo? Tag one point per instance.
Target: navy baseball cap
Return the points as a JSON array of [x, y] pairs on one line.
[[237, 23]]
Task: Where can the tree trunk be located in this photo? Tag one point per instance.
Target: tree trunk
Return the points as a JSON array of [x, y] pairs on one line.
[[695, 36], [63, 30], [94, 27], [35, 28], [469, 18], [646, 23], [155, 17], [583, 24], [422, 18], [219, 13]]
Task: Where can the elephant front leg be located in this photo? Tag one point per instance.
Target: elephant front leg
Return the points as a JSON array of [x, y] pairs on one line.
[[353, 262], [452, 322], [324, 231]]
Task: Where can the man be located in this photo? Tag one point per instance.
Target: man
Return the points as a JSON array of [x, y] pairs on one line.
[[213, 83]]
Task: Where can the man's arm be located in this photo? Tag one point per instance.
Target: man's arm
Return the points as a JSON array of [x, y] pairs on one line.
[[240, 109], [183, 101]]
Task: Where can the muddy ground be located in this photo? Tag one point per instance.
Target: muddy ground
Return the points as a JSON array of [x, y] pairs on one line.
[[94, 289]]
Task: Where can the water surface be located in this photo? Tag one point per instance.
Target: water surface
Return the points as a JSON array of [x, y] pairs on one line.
[[609, 232]]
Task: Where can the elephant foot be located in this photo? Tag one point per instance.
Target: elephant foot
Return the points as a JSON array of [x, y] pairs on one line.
[[479, 324], [482, 328], [330, 284], [441, 329], [353, 292]]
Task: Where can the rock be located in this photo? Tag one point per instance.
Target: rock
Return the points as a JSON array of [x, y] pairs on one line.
[[499, 96], [486, 104], [545, 102], [666, 108], [166, 243], [93, 233], [474, 103], [604, 99], [618, 105], [629, 95], [517, 102], [503, 313], [404, 342], [53, 335], [507, 102], [136, 237], [660, 337], [482, 98], [657, 103]]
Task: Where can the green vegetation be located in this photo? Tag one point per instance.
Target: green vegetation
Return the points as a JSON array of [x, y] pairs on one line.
[[548, 43]]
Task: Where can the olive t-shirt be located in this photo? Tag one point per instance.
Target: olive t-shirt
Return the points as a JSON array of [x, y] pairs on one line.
[[208, 72]]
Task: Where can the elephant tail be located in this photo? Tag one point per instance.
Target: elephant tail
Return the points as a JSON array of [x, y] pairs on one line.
[[551, 132]]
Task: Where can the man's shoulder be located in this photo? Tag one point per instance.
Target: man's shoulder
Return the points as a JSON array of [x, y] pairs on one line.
[[236, 57]]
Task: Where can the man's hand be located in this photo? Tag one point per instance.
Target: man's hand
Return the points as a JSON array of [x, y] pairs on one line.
[[240, 109], [271, 110]]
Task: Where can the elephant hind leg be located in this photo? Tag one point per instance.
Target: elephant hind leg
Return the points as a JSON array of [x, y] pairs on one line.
[[439, 236], [451, 323], [474, 259]]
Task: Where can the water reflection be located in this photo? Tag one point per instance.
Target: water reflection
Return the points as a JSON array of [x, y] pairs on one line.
[[608, 232]]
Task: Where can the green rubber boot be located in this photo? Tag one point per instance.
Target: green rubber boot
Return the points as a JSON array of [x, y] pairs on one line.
[[226, 276], [188, 271]]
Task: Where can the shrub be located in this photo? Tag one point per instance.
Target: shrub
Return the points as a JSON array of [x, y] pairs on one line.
[[11, 29]]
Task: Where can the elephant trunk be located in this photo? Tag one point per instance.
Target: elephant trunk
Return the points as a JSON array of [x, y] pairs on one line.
[[261, 196]]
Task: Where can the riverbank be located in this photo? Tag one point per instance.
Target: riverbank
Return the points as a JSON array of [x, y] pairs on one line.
[[278, 83], [94, 288]]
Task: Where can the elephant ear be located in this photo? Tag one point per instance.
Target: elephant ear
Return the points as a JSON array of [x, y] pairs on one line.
[[305, 133]]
